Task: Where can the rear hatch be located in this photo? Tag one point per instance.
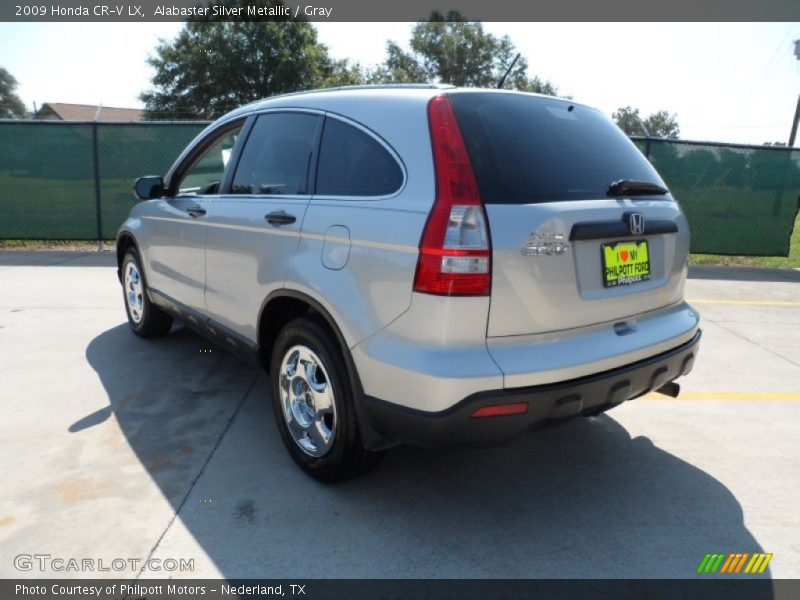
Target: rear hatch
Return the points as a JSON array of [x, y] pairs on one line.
[[569, 249]]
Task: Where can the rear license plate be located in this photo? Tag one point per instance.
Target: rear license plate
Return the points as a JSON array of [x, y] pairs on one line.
[[625, 263]]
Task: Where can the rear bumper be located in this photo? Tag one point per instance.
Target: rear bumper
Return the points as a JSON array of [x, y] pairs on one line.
[[546, 403]]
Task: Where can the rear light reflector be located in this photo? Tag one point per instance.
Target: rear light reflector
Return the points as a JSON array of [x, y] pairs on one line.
[[455, 250], [465, 264], [466, 229], [500, 410]]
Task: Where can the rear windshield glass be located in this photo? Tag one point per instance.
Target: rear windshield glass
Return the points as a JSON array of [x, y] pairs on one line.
[[530, 149]]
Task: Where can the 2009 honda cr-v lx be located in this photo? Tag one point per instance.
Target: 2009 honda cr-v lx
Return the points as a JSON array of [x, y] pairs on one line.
[[418, 264]]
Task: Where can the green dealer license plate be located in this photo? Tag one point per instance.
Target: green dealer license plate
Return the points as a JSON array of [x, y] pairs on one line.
[[625, 263]]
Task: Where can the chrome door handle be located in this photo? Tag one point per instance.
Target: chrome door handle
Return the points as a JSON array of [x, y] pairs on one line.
[[279, 217]]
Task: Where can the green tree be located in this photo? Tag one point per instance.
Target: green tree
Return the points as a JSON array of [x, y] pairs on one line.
[[11, 107], [629, 120], [448, 49], [660, 124], [212, 67], [663, 124]]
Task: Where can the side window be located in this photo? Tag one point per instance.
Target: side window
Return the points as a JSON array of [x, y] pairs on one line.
[[277, 156], [206, 172], [351, 163]]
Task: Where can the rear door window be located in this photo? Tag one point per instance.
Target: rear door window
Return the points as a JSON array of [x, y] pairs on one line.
[[527, 149], [277, 157], [352, 163]]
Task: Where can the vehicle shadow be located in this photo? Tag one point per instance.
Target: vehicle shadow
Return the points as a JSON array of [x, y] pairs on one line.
[[582, 500]]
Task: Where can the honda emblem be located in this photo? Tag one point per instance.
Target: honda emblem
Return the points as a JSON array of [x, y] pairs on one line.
[[636, 223]]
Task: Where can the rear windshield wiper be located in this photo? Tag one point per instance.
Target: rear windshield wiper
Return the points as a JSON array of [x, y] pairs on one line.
[[629, 187]]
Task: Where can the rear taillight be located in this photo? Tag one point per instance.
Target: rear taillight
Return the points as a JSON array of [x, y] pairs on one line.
[[455, 250]]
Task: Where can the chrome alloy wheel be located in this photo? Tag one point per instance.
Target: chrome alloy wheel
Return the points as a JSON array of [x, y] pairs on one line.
[[307, 401], [134, 292]]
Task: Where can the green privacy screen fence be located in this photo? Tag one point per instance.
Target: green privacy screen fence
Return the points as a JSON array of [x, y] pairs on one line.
[[739, 200], [72, 181]]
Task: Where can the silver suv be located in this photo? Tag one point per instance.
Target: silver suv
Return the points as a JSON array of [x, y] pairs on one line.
[[417, 264]]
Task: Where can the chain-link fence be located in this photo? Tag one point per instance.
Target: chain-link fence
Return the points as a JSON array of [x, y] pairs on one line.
[[739, 200], [72, 181], [65, 180]]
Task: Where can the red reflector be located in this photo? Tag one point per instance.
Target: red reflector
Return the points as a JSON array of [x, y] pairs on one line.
[[500, 410]]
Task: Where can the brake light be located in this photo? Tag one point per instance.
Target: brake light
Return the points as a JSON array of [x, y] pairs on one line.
[[455, 249]]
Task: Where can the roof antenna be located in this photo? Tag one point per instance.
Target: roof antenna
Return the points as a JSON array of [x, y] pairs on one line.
[[503, 80]]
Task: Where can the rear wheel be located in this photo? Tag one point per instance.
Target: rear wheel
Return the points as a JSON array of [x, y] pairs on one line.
[[146, 319], [313, 401]]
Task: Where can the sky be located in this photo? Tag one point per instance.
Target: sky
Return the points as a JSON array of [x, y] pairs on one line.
[[731, 82]]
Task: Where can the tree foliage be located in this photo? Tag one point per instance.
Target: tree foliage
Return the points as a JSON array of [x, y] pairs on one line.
[[212, 67], [448, 49], [11, 106], [629, 120], [660, 124], [663, 124]]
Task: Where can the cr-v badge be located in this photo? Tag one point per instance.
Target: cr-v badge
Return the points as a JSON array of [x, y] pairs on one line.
[[545, 244]]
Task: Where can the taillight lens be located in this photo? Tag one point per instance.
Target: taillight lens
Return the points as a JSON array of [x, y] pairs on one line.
[[455, 250]]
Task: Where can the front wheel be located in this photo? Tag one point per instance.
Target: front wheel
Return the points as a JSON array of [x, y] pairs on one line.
[[313, 400]]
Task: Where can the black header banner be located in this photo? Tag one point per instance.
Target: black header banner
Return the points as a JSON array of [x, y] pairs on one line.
[[400, 10]]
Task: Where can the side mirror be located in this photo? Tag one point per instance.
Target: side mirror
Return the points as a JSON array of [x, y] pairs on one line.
[[147, 188]]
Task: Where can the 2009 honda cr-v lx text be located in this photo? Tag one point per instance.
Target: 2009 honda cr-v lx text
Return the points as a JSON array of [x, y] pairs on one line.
[[418, 264]]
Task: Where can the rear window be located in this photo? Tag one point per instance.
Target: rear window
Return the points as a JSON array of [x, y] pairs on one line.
[[528, 149]]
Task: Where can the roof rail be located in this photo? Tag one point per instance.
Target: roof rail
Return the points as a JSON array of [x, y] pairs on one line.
[[390, 86], [343, 88], [380, 86]]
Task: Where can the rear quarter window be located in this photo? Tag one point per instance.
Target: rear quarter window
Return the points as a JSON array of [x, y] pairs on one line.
[[527, 149], [352, 163]]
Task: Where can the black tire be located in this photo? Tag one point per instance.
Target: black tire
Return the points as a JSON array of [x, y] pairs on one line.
[[346, 456], [146, 319]]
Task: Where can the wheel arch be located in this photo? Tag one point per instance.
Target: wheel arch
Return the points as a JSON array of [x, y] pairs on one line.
[[125, 240], [283, 305]]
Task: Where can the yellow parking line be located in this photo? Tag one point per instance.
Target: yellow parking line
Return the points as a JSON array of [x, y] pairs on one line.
[[756, 302], [727, 396]]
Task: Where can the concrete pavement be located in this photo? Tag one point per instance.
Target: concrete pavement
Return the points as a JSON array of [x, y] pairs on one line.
[[120, 448]]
